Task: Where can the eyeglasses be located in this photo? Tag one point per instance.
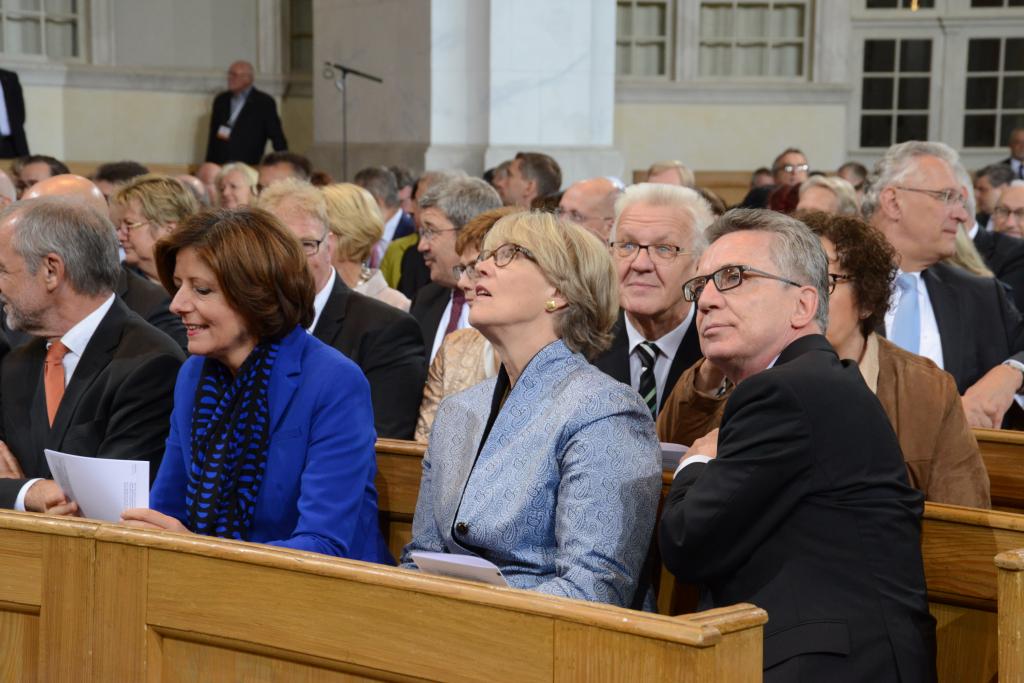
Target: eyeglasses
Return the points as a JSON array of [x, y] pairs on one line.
[[577, 217], [726, 278], [502, 256], [427, 234], [835, 278], [665, 253], [1003, 212], [792, 168], [129, 226], [311, 247], [947, 197]]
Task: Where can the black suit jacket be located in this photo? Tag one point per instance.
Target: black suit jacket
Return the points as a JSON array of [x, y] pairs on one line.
[[117, 404], [807, 513], [615, 361], [15, 102], [387, 345], [1004, 255], [414, 274], [428, 307], [151, 302], [978, 325], [406, 226], [256, 123]]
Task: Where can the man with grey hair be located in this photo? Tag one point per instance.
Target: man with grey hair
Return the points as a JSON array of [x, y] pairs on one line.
[[383, 341], [445, 209], [591, 203], [98, 380], [805, 460], [989, 182], [244, 118], [829, 194], [964, 323], [657, 237], [383, 185]]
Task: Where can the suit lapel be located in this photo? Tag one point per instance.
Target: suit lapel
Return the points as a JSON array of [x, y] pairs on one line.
[[95, 358], [285, 376], [947, 318], [332, 318]]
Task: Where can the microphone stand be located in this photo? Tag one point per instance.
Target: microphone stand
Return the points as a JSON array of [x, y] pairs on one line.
[[339, 83]]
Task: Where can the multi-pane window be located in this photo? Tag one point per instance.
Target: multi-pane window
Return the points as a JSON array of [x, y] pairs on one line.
[[994, 93], [895, 91], [997, 3], [45, 28], [300, 34], [755, 39], [643, 39], [900, 4]]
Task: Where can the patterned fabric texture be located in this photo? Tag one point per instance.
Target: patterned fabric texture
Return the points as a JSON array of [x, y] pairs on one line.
[[564, 492], [230, 428]]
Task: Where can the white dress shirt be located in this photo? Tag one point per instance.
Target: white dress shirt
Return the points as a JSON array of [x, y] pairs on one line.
[[668, 346], [75, 339], [443, 325], [320, 300], [930, 345]]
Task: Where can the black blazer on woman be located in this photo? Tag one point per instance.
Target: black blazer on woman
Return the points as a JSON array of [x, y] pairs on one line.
[[807, 513]]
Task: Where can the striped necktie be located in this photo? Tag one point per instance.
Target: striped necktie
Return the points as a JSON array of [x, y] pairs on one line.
[[648, 352]]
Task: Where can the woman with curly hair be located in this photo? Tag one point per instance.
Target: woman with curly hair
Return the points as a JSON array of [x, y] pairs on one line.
[[920, 399]]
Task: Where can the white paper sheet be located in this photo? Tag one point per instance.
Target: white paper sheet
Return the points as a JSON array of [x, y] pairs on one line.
[[102, 487], [671, 455], [468, 567]]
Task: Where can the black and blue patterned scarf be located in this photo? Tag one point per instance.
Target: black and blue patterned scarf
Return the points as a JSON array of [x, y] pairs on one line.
[[230, 439]]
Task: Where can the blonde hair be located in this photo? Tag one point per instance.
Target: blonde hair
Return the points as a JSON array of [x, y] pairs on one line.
[[251, 175], [354, 218], [578, 265], [686, 177], [162, 199], [842, 189], [298, 194], [967, 256]]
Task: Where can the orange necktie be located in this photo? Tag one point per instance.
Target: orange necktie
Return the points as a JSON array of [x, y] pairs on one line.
[[53, 378]]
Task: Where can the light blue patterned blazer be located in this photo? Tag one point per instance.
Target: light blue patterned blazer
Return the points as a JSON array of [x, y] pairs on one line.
[[564, 493]]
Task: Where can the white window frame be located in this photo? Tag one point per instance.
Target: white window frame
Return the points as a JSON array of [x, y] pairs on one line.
[[80, 17], [670, 45]]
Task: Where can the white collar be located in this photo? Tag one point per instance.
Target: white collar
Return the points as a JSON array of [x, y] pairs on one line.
[[667, 344], [320, 300], [77, 338]]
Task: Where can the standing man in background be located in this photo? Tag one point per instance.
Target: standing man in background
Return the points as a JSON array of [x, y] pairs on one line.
[[243, 119], [13, 142]]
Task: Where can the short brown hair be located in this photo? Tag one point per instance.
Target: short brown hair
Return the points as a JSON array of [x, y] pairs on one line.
[[472, 234], [542, 168], [865, 255], [259, 265]]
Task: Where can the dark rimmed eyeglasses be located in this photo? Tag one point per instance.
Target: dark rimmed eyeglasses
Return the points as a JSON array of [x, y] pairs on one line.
[[657, 252], [311, 247], [726, 278], [835, 278], [502, 256]]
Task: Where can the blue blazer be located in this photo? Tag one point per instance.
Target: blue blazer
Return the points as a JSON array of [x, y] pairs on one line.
[[563, 494], [317, 492]]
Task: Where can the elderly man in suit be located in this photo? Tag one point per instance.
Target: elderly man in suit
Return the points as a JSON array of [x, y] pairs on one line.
[[383, 341], [658, 232], [1016, 159], [800, 503], [146, 298], [242, 121], [97, 380], [964, 323], [13, 142], [444, 209]]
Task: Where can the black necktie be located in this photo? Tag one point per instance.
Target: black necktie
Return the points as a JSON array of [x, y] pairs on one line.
[[648, 352]]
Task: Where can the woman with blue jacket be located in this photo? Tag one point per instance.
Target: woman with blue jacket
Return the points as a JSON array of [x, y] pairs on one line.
[[272, 436]]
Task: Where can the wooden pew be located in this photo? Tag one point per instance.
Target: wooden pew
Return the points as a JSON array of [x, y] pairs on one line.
[[399, 464], [88, 601], [1003, 453], [1010, 568]]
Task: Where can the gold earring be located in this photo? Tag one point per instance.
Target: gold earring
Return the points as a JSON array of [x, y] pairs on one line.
[[550, 306]]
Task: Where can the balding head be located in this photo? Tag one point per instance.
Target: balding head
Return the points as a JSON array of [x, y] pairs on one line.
[[69, 186], [240, 76], [591, 203]]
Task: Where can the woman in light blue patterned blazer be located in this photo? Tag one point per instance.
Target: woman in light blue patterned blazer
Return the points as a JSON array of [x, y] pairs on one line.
[[551, 470]]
